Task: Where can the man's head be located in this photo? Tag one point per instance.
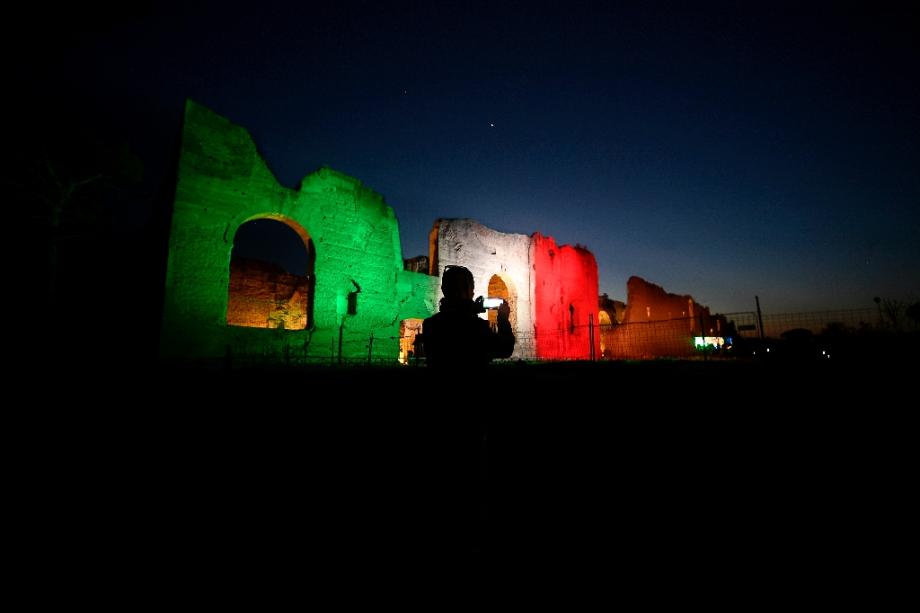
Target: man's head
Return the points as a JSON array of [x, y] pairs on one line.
[[457, 283]]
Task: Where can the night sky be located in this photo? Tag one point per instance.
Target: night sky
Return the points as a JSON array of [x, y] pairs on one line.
[[721, 151]]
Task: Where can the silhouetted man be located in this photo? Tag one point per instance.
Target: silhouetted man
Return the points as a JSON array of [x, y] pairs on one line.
[[456, 337]]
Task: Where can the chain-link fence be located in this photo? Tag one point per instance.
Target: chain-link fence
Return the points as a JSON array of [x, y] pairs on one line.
[[814, 334], [649, 340], [351, 350], [774, 325], [850, 333]]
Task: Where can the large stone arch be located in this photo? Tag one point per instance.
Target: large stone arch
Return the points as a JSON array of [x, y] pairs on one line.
[[605, 325], [264, 298], [501, 286], [361, 291], [486, 252]]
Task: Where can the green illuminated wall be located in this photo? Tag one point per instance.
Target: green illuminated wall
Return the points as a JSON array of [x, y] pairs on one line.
[[223, 182]]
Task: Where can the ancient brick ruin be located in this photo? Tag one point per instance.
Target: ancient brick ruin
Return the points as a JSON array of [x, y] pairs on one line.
[[565, 300], [656, 323], [360, 299], [551, 289], [359, 291], [264, 295]]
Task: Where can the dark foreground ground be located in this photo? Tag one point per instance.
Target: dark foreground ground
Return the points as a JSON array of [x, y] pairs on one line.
[[738, 471]]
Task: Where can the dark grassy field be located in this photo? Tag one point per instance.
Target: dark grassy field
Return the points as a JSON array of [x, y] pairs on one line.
[[734, 467]]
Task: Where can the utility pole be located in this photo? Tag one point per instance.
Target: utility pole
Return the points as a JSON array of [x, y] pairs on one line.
[[759, 316]]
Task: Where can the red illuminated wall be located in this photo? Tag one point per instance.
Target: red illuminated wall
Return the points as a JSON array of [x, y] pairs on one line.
[[565, 285]]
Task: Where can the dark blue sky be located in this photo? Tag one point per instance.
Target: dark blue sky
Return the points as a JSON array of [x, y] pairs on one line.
[[724, 152]]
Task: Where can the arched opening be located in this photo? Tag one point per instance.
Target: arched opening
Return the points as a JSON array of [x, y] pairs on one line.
[[604, 323], [408, 333], [500, 288], [271, 275]]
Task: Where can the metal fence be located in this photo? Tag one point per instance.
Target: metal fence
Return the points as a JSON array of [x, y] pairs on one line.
[[808, 333], [774, 325], [649, 340], [353, 350]]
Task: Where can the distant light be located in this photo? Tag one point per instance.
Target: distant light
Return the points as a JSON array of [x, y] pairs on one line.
[[768, 350], [491, 125]]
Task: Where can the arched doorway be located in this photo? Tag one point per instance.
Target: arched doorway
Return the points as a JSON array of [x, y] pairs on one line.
[[604, 323], [499, 287], [271, 275], [408, 331]]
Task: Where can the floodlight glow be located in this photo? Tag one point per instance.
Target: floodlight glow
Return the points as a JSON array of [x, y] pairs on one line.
[[703, 342]]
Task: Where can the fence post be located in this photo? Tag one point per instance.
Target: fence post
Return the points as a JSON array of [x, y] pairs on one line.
[[370, 348], [341, 326], [591, 336], [703, 337]]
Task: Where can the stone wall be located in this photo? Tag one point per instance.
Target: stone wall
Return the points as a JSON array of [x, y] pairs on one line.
[[610, 313], [358, 279], [649, 302], [488, 253], [565, 300], [657, 323], [353, 235], [264, 295], [552, 289]]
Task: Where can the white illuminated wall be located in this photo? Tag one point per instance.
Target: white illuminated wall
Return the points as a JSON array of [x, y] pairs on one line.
[[486, 252]]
